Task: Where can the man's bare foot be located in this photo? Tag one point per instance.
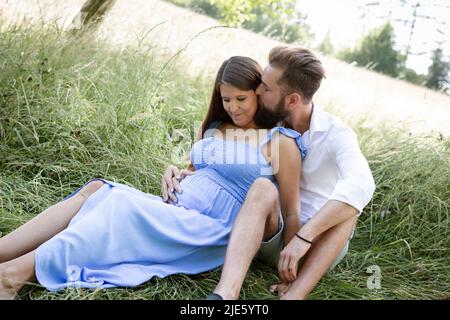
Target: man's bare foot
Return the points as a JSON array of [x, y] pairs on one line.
[[226, 295], [279, 288]]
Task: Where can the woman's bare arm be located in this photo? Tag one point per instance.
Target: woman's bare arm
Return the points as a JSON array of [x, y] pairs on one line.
[[287, 163]]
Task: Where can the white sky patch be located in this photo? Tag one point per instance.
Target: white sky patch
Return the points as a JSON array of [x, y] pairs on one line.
[[348, 20]]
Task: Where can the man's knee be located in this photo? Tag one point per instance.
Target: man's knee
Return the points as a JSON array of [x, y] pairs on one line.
[[91, 187], [347, 227], [340, 233], [263, 192]]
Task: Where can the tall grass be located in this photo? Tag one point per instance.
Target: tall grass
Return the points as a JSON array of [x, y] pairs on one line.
[[72, 109]]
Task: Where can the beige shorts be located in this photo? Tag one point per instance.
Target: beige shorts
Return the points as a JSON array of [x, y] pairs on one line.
[[269, 251]]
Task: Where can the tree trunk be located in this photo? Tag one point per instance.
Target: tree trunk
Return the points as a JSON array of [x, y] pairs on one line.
[[91, 13]]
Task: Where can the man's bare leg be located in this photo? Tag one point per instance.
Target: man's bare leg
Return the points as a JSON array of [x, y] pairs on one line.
[[257, 218], [319, 259], [45, 225], [15, 274]]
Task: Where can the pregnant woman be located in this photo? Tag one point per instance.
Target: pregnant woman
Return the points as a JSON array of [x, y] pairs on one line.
[[108, 234]]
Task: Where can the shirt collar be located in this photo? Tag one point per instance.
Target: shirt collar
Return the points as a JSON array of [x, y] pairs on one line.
[[319, 120]]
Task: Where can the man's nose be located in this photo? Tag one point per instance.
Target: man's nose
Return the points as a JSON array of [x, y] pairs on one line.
[[258, 90]]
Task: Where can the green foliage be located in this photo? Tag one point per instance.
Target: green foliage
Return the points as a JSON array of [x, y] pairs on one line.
[[277, 19], [282, 22], [412, 76], [326, 46], [201, 6], [437, 77], [205, 7], [236, 12], [71, 110], [376, 51]]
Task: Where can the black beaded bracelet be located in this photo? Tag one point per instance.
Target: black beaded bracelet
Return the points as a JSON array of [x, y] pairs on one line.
[[310, 242]]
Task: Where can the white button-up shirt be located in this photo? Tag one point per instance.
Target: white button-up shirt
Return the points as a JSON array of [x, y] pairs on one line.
[[334, 167]]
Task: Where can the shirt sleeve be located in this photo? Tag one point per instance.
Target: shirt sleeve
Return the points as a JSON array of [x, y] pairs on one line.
[[356, 184]]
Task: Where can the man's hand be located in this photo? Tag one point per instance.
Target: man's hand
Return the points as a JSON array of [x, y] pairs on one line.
[[289, 258], [171, 182]]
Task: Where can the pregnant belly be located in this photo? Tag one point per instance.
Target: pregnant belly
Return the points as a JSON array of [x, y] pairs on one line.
[[198, 193], [202, 193]]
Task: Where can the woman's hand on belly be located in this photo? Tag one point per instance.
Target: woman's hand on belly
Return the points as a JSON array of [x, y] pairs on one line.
[[171, 182]]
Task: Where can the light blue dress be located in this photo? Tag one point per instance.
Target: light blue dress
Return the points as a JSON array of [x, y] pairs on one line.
[[122, 237]]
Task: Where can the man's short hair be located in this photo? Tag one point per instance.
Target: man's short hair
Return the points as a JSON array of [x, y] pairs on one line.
[[302, 70]]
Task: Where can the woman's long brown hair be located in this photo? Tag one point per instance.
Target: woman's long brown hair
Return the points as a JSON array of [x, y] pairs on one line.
[[241, 72]]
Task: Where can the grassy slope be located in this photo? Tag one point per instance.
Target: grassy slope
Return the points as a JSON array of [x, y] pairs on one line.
[[71, 110]]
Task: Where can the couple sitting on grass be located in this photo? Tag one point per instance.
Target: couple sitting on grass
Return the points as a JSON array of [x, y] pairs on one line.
[[272, 177]]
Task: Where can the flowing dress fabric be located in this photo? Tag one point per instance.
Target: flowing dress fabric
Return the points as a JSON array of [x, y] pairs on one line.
[[123, 237]]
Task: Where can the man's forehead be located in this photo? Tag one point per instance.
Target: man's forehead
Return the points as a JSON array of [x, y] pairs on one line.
[[271, 74]]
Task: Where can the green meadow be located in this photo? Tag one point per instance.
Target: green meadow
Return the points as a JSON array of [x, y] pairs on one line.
[[72, 109]]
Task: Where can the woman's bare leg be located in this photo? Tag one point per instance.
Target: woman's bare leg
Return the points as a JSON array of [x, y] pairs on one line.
[[15, 274], [45, 225]]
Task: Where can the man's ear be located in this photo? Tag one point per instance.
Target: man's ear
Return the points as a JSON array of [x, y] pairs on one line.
[[293, 100]]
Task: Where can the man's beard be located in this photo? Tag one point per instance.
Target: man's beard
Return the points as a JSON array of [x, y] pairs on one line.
[[266, 118]]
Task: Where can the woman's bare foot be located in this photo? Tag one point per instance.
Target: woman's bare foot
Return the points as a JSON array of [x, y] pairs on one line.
[[15, 274], [9, 286]]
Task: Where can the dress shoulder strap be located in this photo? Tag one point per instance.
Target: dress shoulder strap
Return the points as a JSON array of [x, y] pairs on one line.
[[289, 133], [210, 131]]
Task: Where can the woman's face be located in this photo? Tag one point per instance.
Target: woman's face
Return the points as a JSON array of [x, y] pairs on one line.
[[240, 105]]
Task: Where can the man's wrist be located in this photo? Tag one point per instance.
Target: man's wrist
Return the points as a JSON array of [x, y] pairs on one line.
[[306, 232], [303, 239]]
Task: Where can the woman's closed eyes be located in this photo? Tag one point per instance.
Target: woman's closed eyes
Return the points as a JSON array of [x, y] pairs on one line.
[[240, 99]]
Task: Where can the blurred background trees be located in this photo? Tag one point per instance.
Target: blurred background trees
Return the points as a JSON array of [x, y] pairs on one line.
[[378, 49], [437, 77], [278, 19]]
